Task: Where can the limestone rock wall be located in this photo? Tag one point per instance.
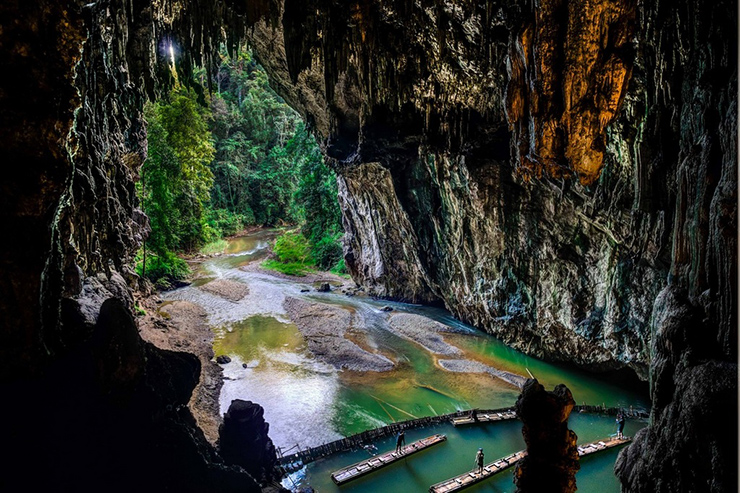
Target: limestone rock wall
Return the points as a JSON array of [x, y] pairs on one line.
[[243, 440], [546, 170], [552, 168], [552, 459]]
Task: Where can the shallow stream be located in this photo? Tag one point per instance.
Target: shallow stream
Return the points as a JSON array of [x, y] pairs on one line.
[[308, 402]]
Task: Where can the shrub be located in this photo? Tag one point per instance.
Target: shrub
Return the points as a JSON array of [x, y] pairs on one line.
[[292, 247], [225, 221], [291, 268], [163, 269], [217, 246], [340, 267], [209, 234], [327, 251]]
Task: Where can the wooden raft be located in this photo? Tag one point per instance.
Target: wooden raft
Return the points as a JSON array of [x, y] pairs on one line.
[[600, 445], [379, 461], [470, 478], [484, 418]]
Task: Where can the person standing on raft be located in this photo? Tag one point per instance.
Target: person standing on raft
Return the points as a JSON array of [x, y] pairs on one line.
[[620, 425], [479, 460], [400, 442]]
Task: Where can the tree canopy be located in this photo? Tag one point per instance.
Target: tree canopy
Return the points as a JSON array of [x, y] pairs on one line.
[[246, 158]]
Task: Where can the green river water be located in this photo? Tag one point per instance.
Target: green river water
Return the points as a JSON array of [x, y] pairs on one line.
[[308, 402]]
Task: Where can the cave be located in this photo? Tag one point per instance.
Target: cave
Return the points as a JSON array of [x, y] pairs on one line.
[[561, 174]]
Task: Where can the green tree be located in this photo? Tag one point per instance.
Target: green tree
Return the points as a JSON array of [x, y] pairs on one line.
[[255, 174], [176, 182], [245, 159]]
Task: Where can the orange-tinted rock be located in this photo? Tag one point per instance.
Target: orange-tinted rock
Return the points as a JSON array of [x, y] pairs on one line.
[[567, 87]]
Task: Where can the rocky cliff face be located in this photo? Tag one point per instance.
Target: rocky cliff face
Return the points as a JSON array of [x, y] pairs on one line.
[[544, 172], [691, 444], [243, 440], [90, 403]]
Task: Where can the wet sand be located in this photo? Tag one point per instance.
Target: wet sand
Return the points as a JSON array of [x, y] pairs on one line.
[[468, 366]]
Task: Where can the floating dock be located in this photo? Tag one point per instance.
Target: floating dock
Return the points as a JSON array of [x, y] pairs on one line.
[[600, 445], [379, 461], [484, 417], [472, 477]]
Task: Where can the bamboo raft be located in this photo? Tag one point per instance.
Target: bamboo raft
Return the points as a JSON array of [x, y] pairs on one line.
[[379, 461], [354, 442], [600, 445], [484, 417], [473, 477]]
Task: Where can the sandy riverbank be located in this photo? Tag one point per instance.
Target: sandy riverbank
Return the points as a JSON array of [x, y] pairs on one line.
[[325, 328], [468, 366], [182, 326], [226, 288]]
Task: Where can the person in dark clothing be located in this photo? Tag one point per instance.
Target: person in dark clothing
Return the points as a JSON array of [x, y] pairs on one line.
[[400, 442], [474, 415], [620, 425], [479, 460]]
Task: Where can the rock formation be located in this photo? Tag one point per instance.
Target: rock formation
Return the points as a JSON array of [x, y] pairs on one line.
[[243, 440], [89, 402], [552, 451], [691, 444], [544, 169], [112, 411], [531, 168]]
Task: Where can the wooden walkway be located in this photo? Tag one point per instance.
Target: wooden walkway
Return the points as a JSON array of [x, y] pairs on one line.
[[379, 461], [304, 456], [359, 440], [472, 477], [484, 417]]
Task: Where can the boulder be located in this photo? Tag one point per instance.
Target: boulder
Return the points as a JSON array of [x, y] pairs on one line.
[[243, 440]]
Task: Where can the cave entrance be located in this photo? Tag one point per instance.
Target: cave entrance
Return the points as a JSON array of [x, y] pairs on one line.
[[229, 155]]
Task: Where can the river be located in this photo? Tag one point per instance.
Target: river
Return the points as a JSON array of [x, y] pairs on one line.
[[308, 402]]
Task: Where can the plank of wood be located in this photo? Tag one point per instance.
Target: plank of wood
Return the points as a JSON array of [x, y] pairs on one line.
[[376, 462], [483, 418], [470, 478]]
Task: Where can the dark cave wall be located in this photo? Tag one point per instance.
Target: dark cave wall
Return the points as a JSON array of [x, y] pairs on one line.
[[551, 171], [90, 403]]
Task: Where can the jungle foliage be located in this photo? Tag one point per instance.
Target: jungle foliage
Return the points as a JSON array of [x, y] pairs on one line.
[[245, 158]]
